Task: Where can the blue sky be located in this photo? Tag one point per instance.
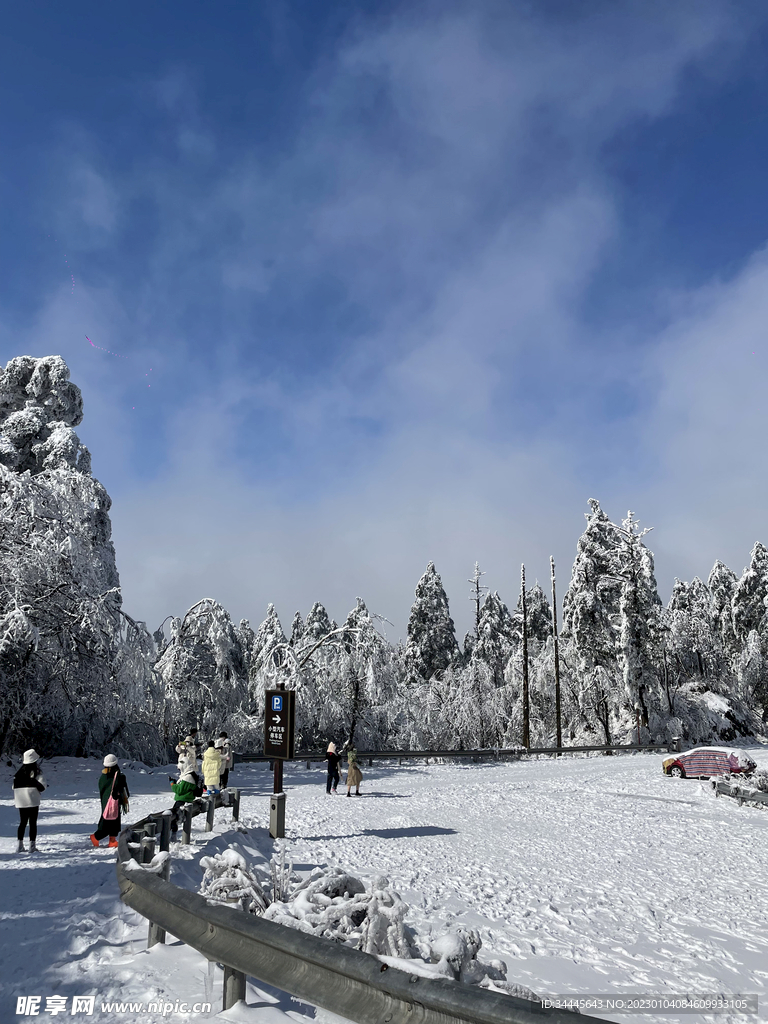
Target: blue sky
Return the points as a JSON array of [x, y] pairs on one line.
[[394, 282]]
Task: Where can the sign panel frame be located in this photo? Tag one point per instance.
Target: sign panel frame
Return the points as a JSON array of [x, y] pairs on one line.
[[279, 724]]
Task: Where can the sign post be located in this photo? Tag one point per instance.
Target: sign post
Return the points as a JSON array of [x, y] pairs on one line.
[[279, 717]]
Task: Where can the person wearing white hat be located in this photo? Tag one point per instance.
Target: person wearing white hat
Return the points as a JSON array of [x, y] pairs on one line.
[[112, 783], [28, 784]]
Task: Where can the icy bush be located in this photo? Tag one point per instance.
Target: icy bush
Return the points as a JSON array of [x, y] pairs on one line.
[[757, 780], [333, 904], [228, 880]]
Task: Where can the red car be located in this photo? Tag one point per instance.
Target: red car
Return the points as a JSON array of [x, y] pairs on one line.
[[704, 762]]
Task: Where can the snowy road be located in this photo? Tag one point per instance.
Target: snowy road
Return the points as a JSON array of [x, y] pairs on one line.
[[586, 875]]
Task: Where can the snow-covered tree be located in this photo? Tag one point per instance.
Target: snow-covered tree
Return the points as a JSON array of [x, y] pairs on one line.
[[431, 639], [202, 672], [60, 620], [721, 585], [750, 595], [298, 630], [318, 623], [496, 637], [639, 607], [591, 620], [267, 656]]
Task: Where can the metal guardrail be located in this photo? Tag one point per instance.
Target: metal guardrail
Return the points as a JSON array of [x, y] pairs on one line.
[[477, 754], [345, 981], [741, 793]]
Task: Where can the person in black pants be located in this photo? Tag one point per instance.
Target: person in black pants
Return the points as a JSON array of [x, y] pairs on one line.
[[28, 784], [112, 782], [333, 760]]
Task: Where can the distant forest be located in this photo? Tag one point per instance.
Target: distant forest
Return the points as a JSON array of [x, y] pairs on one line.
[[79, 674]]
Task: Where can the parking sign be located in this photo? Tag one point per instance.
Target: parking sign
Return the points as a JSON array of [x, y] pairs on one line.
[[278, 724]]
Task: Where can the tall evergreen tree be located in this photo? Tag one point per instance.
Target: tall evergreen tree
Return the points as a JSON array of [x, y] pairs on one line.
[[591, 620], [750, 595], [639, 607], [318, 623], [298, 630], [267, 657], [431, 639], [721, 585], [495, 637]]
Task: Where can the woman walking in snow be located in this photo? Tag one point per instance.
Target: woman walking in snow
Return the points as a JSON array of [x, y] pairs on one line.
[[354, 775], [112, 784], [28, 784], [211, 768], [333, 760]]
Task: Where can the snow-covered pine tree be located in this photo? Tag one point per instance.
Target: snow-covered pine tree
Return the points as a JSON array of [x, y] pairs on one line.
[[268, 656], [298, 630], [591, 620], [496, 638], [750, 594], [431, 638], [539, 615], [639, 607], [318, 623], [750, 615], [721, 585], [247, 638]]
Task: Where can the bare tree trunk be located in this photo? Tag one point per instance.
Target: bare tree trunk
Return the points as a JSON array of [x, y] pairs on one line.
[[526, 696], [558, 720]]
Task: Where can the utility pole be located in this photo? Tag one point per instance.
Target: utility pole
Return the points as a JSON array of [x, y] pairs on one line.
[[526, 700], [559, 742]]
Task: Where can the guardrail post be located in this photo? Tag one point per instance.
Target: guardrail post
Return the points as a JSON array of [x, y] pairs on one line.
[[165, 833], [234, 987], [147, 849], [209, 814], [308, 767], [234, 799], [150, 829], [186, 833], [370, 762]]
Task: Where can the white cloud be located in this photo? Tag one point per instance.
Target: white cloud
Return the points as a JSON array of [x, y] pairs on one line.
[[448, 181]]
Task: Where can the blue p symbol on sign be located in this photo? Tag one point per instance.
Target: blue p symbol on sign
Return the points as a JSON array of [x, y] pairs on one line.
[[277, 703]]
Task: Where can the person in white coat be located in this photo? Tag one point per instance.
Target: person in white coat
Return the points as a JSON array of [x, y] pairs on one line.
[[28, 784], [211, 768], [225, 747]]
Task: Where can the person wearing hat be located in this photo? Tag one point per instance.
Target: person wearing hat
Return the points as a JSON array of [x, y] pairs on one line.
[[333, 760], [223, 744], [112, 782], [28, 784]]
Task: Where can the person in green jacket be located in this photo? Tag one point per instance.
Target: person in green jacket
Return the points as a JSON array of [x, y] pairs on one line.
[[184, 792], [112, 782]]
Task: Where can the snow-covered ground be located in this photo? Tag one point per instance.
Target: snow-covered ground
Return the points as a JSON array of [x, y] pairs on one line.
[[585, 875]]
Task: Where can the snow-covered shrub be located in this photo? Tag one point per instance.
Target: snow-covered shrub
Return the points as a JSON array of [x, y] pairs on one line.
[[333, 904], [228, 880], [455, 951]]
